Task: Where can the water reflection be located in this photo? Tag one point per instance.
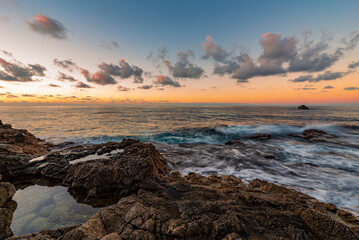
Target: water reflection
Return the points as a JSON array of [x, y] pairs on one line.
[[41, 207]]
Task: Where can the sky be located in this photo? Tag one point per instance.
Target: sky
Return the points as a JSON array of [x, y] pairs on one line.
[[140, 51]]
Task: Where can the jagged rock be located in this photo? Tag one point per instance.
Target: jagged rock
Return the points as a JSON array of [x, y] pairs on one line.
[[260, 136], [215, 207], [303, 107], [1, 123], [153, 204], [17, 146], [7, 208]]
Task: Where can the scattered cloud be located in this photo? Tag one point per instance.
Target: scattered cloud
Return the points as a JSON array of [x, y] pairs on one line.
[[109, 45], [53, 85], [28, 95], [183, 68], [123, 70], [326, 76], [166, 81], [214, 51], [82, 85], [353, 65], [328, 87], [123, 89], [145, 87], [48, 26], [305, 88], [65, 64], [351, 88], [279, 56], [9, 95], [99, 77], [64, 77], [18, 72]]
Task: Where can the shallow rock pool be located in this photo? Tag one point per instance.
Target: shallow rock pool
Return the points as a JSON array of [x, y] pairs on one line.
[[42, 207]]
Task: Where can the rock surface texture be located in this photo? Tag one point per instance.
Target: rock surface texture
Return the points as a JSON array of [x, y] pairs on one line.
[[152, 202]]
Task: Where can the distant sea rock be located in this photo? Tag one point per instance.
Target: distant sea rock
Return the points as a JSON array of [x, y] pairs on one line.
[[152, 201], [303, 107]]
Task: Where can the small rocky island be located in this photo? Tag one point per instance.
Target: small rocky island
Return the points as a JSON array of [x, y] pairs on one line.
[[147, 199], [303, 107]]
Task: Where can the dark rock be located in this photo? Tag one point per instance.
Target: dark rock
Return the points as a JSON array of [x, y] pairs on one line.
[[260, 136], [303, 107], [1, 123], [7, 208], [5, 126], [215, 207], [234, 142], [312, 135]]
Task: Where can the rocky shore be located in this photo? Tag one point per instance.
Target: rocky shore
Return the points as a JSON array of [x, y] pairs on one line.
[[146, 199]]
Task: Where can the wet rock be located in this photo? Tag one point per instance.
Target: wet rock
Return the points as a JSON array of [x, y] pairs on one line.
[[137, 167], [1, 123], [313, 135], [303, 107], [260, 136], [16, 147], [234, 142]]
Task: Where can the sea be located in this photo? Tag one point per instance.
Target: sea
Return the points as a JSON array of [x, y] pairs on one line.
[[193, 138]]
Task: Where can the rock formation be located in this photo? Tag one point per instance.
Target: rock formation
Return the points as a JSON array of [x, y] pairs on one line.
[[303, 107], [151, 202]]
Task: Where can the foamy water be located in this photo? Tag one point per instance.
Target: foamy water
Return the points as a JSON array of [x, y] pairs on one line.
[[193, 138]]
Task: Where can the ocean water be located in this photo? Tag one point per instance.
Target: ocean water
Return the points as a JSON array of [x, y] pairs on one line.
[[193, 138]]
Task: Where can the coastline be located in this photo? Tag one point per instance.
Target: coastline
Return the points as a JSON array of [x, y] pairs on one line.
[[147, 200]]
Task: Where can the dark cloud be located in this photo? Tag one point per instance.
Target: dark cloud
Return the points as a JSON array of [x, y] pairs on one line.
[[65, 64], [48, 26], [64, 77], [328, 87], [82, 85], [28, 95], [279, 56], [326, 76], [354, 65], [98, 77], [351, 88], [214, 51], [109, 45], [19, 72], [145, 87], [123, 70], [166, 81], [305, 89], [53, 85], [9, 95], [123, 89], [183, 68]]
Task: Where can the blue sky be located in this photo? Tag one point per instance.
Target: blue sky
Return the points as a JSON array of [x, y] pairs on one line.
[[143, 26]]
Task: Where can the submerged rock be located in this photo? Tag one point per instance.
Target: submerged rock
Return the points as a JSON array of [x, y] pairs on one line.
[[261, 136], [303, 107], [312, 135]]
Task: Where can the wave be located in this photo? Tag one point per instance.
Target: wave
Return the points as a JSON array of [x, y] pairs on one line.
[[220, 134]]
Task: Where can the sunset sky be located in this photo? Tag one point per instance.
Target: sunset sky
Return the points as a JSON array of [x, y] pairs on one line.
[[261, 52]]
